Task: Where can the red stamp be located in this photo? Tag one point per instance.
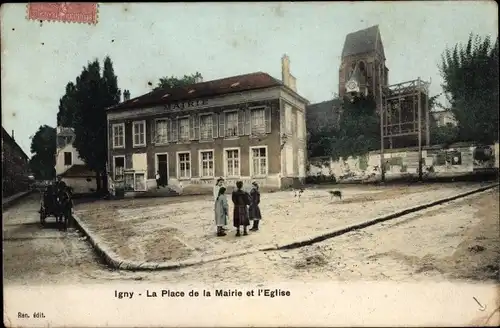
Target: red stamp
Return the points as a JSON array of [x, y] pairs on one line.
[[71, 12]]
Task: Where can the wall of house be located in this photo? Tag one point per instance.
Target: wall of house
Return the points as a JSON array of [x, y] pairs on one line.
[[403, 163], [80, 185], [75, 158], [146, 155], [15, 169]]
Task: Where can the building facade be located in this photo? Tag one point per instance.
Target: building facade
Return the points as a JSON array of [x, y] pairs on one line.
[[248, 127], [15, 166], [444, 117], [70, 166]]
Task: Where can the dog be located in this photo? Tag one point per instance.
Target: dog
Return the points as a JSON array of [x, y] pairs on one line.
[[335, 193], [298, 192]]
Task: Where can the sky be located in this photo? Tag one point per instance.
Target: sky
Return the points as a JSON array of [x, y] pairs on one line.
[[148, 41]]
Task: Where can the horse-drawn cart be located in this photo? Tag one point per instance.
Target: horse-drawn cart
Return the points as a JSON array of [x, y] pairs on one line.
[[56, 203]]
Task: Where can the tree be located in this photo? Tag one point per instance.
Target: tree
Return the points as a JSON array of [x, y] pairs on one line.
[[174, 82], [67, 107], [43, 148], [470, 75], [358, 131], [90, 97]]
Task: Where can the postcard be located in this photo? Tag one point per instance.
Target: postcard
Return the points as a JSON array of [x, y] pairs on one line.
[[260, 164]]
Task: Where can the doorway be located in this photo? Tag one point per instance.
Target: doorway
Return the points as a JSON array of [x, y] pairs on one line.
[[162, 168]]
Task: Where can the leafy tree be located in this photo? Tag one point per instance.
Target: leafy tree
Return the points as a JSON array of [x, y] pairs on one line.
[[67, 107], [358, 132], [173, 82], [43, 146], [92, 93], [470, 74]]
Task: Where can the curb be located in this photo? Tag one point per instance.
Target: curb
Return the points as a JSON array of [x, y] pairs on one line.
[[380, 219], [114, 261], [10, 202]]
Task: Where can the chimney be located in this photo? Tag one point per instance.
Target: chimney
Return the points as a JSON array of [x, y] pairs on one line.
[[126, 95], [198, 79], [12, 134], [286, 77]]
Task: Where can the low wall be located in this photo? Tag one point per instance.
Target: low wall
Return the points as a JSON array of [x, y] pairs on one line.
[[438, 162]]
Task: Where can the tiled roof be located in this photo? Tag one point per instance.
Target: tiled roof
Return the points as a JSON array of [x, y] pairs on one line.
[[323, 113], [6, 137], [78, 171], [361, 41], [252, 81]]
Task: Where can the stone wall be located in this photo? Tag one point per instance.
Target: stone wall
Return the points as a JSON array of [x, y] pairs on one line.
[[458, 160]]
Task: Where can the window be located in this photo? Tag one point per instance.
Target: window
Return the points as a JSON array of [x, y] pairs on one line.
[[161, 131], [259, 161], [206, 127], [183, 129], [119, 135], [68, 159], [206, 163], [258, 121], [119, 167], [139, 134], [231, 124], [184, 166], [233, 162]]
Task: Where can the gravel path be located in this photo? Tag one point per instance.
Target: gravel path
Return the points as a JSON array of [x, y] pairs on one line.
[[458, 240], [179, 231]]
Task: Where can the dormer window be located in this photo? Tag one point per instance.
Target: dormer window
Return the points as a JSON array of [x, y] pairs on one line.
[[166, 95], [235, 84], [191, 91]]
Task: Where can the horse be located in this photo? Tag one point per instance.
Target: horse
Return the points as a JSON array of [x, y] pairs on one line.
[[64, 204]]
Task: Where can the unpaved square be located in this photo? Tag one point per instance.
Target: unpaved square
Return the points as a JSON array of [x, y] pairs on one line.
[[180, 228]]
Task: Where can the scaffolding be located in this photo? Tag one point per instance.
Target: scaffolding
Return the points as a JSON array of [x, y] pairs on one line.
[[404, 111]]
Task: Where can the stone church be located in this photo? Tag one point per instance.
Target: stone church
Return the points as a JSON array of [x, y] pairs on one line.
[[362, 70]]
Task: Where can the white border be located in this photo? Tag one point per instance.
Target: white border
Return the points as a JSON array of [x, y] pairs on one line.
[[250, 157], [113, 135], [114, 167], [177, 165], [134, 123], [224, 156], [156, 164], [200, 163]]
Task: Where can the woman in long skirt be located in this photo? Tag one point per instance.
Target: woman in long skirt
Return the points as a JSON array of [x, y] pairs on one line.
[[254, 208], [221, 211], [241, 200]]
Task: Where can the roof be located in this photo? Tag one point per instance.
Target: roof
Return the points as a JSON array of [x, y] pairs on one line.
[[78, 171], [363, 41], [323, 113], [252, 81], [6, 137]]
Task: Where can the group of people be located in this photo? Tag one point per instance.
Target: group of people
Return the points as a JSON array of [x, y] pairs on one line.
[[246, 208]]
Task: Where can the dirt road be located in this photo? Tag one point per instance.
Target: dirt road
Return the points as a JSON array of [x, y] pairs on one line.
[[459, 240]]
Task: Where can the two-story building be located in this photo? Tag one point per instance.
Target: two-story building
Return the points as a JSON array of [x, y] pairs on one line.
[[247, 127], [70, 166]]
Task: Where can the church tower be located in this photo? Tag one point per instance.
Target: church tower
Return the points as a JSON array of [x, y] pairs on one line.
[[363, 69]]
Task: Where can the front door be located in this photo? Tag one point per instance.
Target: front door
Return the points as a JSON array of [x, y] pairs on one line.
[[162, 161]]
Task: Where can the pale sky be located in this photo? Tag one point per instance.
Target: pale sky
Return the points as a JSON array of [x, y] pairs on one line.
[[148, 41]]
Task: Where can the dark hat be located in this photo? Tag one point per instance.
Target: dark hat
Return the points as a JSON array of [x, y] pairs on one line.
[[220, 179], [254, 183]]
